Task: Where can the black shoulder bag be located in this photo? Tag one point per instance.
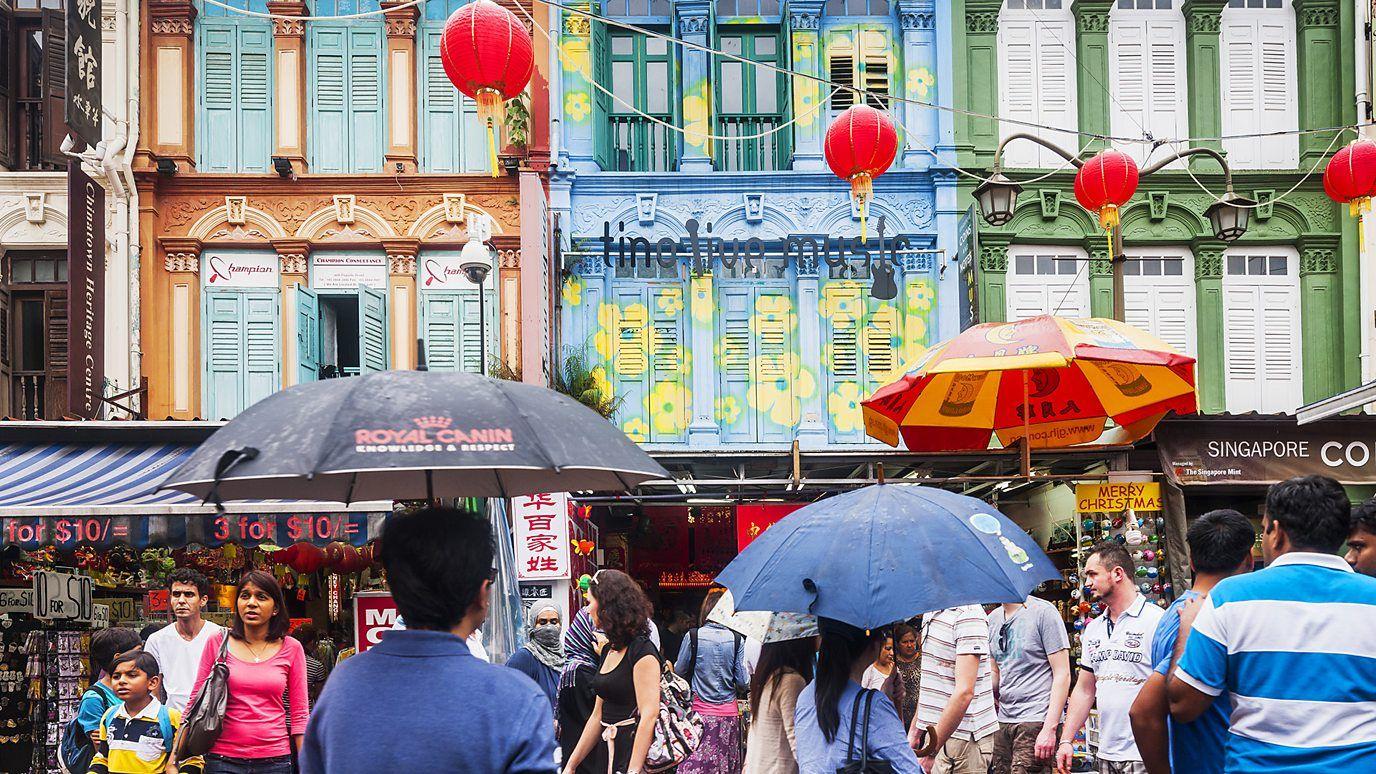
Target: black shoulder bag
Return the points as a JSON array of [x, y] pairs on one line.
[[863, 765]]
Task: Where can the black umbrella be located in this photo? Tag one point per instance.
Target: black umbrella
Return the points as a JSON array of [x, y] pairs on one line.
[[411, 435]]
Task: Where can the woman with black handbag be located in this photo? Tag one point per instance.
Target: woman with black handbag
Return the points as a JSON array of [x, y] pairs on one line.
[[831, 707], [264, 667]]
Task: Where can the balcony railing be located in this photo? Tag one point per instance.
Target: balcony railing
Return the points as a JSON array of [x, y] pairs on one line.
[[640, 145], [756, 154], [29, 396]]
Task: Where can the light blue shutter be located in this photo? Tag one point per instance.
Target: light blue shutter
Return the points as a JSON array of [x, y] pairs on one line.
[[372, 330], [666, 365], [845, 300], [255, 98], [735, 364], [307, 335], [471, 332], [260, 346], [440, 329], [439, 135], [329, 91], [366, 47], [630, 359], [218, 138], [773, 340], [224, 354]]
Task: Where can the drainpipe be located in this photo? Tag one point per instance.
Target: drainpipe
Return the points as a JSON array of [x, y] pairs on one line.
[[128, 25]]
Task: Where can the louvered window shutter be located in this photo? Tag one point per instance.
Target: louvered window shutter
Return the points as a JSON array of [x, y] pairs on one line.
[[255, 98], [601, 46], [471, 333], [735, 363], [774, 363], [1278, 105], [1018, 52], [1056, 76], [366, 46], [666, 360], [841, 71], [1262, 337], [882, 336], [845, 302], [7, 137], [1162, 304], [1259, 95], [874, 58], [440, 135], [59, 336], [224, 354], [372, 329], [219, 134], [1128, 61], [1166, 78], [440, 321], [1241, 347], [261, 347], [54, 88], [307, 335], [631, 357], [330, 136]]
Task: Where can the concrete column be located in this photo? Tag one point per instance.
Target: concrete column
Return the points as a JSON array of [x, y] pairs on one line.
[[294, 256], [171, 101], [694, 23], [1208, 306], [805, 21], [1100, 277], [401, 88], [289, 84], [1320, 307], [812, 425], [1092, 65], [401, 300], [917, 81], [1205, 108]]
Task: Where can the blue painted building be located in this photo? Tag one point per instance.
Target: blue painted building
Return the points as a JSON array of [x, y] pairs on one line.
[[713, 277]]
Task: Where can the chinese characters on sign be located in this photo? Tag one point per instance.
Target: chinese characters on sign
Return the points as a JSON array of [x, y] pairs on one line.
[[83, 107], [541, 522]]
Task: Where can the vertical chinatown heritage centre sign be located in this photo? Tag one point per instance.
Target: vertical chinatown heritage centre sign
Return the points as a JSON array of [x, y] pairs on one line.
[[85, 293]]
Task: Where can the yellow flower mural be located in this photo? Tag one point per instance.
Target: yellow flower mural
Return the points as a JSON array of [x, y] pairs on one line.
[[572, 292], [636, 429], [843, 301], [844, 406], [600, 382], [728, 409], [920, 82], [577, 105], [703, 303], [697, 118], [608, 323], [772, 313], [667, 405], [575, 56], [780, 397], [670, 301], [919, 296]]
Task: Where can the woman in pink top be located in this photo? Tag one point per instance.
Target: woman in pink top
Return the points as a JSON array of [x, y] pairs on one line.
[[264, 664]]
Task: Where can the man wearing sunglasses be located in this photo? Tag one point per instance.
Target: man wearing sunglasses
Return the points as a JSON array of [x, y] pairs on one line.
[[1031, 664]]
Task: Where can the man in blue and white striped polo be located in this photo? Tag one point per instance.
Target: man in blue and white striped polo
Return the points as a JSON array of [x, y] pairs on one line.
[[1294, 644]]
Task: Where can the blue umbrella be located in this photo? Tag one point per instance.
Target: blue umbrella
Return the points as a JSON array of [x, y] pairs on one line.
[[886, 553]]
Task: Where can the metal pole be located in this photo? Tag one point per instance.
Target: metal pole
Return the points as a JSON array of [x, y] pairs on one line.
[[1118, 262], [482, 328]]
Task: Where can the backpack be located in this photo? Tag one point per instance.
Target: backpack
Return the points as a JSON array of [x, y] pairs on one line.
[[864, 765], [678, 729], [75, 750]]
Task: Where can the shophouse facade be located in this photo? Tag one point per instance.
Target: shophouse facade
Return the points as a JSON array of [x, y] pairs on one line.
[[1272, 317], [307, 185], [714, 280]]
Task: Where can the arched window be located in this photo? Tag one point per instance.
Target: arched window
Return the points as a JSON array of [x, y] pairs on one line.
[[1259, 83], [1037, 82], [234, 101], [1147, 73]]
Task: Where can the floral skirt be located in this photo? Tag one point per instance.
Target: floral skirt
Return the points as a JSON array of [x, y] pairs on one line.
[[720, 751]]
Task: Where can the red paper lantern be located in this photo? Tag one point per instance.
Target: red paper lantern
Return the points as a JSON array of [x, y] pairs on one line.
[[309, 558], [860, 146], [285, 555], [1105, 183], [488, 55], [1350, 177]]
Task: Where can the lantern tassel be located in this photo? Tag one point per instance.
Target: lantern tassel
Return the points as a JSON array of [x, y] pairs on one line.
[[1108, 218], [490, 102], [1359, 205], [862, 188]]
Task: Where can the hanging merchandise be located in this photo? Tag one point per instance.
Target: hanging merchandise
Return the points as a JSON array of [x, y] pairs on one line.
[[488, 55], [1103, 185], [861, 145], [1350, 177]]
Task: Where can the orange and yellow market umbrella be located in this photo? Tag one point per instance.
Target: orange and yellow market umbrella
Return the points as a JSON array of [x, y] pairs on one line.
[[1059, 381]]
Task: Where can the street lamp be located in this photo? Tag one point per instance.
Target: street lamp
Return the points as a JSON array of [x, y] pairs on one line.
[[997, 199], [476, 263]]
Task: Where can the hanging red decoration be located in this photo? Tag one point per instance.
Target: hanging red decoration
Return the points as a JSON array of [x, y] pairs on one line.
[[309, 558], [861, 145], [1350, 177], [488, 55], [1105, 183]]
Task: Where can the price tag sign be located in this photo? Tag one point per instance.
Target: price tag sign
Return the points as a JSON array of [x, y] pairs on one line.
[[62, 596], [16, 601], [121, 608], [100, 617]]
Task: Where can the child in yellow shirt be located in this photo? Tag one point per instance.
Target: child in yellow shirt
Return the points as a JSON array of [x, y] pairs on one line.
[[135, 737]]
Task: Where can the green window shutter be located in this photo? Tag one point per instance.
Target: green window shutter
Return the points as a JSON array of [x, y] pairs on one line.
[[602, 104], [255, 98], [440, 327], [261, 347], [224, 354], [631, 360], [218, 150], [366, 46], [372, 329], [330, 124], [307, 335], [470, 333], [735, 363]]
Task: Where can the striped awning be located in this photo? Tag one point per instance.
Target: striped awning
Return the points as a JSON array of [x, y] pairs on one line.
[[84, 475]]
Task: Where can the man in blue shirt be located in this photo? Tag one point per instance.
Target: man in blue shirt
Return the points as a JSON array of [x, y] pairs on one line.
[[1220, 547], [1293, 645], [419, 700]]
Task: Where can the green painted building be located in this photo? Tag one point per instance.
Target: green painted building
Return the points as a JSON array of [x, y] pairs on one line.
[[1273, 317]]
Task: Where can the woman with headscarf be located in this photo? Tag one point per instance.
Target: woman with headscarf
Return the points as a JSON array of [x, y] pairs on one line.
[[542, 657], [575, 692]]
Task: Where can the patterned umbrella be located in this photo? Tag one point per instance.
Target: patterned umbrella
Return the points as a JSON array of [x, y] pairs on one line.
[[1057, 380], [763, 626]]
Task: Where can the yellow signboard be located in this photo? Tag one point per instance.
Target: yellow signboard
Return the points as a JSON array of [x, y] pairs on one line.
[[1118, 497]]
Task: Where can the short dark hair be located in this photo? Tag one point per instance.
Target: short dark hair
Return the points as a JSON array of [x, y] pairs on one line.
[[1314, 510], [708, 602], [146, 662], [1112, 554], [150, 630], [108, 643], [280, 622], [190, 576], [623, 610], [436, 561], [308, 635], [1220, 540], [1364, 517]]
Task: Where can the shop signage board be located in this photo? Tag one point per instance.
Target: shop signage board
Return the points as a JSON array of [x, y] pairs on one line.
[[1116, 497], [374, 613], [967, 251], [542, 536], [1263, 451], [283, 529], [62, 596], [250, 529], [156, 602], [85, 284], [121, 608], [753, 519], [100, 616], [83, 106], [64, 532], [240, 270], [441, 272], [17, 600], [348, 271]]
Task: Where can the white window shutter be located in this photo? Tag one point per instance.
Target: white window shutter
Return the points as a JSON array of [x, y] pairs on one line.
[[1166, 78], [1261, 337], [1163, 305], [1056, 74], [1017, 54], [1240, 99], [1241, 348], [1278, 106], [1128, 68], [1064, 295], [1258, 61], [1280, 351]]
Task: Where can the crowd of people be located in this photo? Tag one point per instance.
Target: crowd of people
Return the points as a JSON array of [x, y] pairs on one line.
[[1270, 670]]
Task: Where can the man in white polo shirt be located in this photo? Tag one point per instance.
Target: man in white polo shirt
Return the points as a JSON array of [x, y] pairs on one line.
[[1115, 660]]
